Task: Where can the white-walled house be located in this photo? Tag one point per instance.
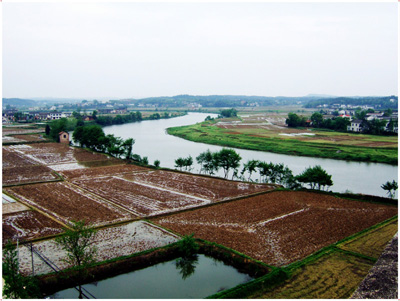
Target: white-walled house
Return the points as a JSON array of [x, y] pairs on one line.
[[355, 126]]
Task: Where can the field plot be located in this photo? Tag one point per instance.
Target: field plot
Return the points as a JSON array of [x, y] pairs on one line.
[[28, 174], [18, 130], [28, 225], [14, 159], [333, 276], [66, 202], [102, 171], [373, 242], [111, 242], [13, 207], [30, 138], [204, 187], [280, 227], [11, 139], [140, 199], [58, 153]]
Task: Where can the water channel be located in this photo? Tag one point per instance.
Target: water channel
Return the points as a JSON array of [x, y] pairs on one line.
[[193, 279], [151, 140]]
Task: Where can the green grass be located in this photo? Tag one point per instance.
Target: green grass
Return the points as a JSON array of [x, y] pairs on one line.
[[206, 133]]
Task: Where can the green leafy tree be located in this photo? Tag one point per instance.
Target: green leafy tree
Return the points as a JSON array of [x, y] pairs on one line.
[[15, 285], [316, 177], [127, 146], [145, 160], [78, 245], [229, 113], [317, 119], [250, 166], [157, 163], [294, 120], [391, 188], [227, 159], [207, 162]]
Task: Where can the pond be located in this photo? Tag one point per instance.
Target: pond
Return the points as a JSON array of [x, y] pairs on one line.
[[151, 140], [193, 278]]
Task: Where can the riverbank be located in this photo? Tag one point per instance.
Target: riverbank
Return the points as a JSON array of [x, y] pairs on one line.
[[209, 133]]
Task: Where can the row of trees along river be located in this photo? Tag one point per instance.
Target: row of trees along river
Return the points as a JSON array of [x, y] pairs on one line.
[[152, 141]]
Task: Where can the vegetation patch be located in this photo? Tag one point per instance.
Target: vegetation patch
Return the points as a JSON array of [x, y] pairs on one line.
[[269, 140], [372, 243], [333, 276]]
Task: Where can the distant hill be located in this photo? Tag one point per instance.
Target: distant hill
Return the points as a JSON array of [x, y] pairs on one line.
[[19, 102]]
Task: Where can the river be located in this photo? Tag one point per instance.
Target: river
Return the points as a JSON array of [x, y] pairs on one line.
[[151, 140]]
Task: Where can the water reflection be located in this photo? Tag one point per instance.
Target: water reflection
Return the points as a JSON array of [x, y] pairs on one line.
[[186, 266]]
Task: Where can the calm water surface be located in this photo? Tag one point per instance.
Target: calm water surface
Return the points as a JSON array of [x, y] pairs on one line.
[[190, 280], [153, 141]]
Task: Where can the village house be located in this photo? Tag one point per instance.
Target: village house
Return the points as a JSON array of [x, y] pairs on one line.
[[64, 137], [355, 126]]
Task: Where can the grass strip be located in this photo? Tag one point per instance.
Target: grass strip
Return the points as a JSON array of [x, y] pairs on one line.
[[213, 135]]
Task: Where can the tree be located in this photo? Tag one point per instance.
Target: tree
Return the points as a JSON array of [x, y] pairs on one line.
[[145, 160], [47, 130], [187, 248], [227, 159], [180, 163], [317, 119], [391, 188], [250, 167], [188, 162], [78, 244], [294, 120], [157, 163], [207, 162], [316, 177], [229, 113], [15, 285], [127, 145]]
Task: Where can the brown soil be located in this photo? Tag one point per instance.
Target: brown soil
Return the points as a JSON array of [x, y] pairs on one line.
[[67, 203], [142, 200], [279, 228], [28, 174], [204, 187], [28, 225], [103, 171], [55, 153], [13, 159]]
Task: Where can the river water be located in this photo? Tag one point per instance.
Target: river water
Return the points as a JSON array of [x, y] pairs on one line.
[[151, 140]]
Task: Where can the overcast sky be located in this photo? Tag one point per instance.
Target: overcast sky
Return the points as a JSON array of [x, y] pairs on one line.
[[123, 50]]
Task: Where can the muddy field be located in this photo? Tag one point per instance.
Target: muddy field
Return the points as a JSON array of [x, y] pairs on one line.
[[111, 242], [28, 174], [57, 153], [66, 202], [204, 187], [279, 228], [28, 225], [140, 199], [14, 159], [102, 171]]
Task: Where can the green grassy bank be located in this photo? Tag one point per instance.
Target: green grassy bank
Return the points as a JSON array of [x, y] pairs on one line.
[[206, 133]]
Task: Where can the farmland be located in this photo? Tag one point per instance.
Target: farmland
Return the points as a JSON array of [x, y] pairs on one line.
[[267, 132], [279, 228], [135, 208]]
